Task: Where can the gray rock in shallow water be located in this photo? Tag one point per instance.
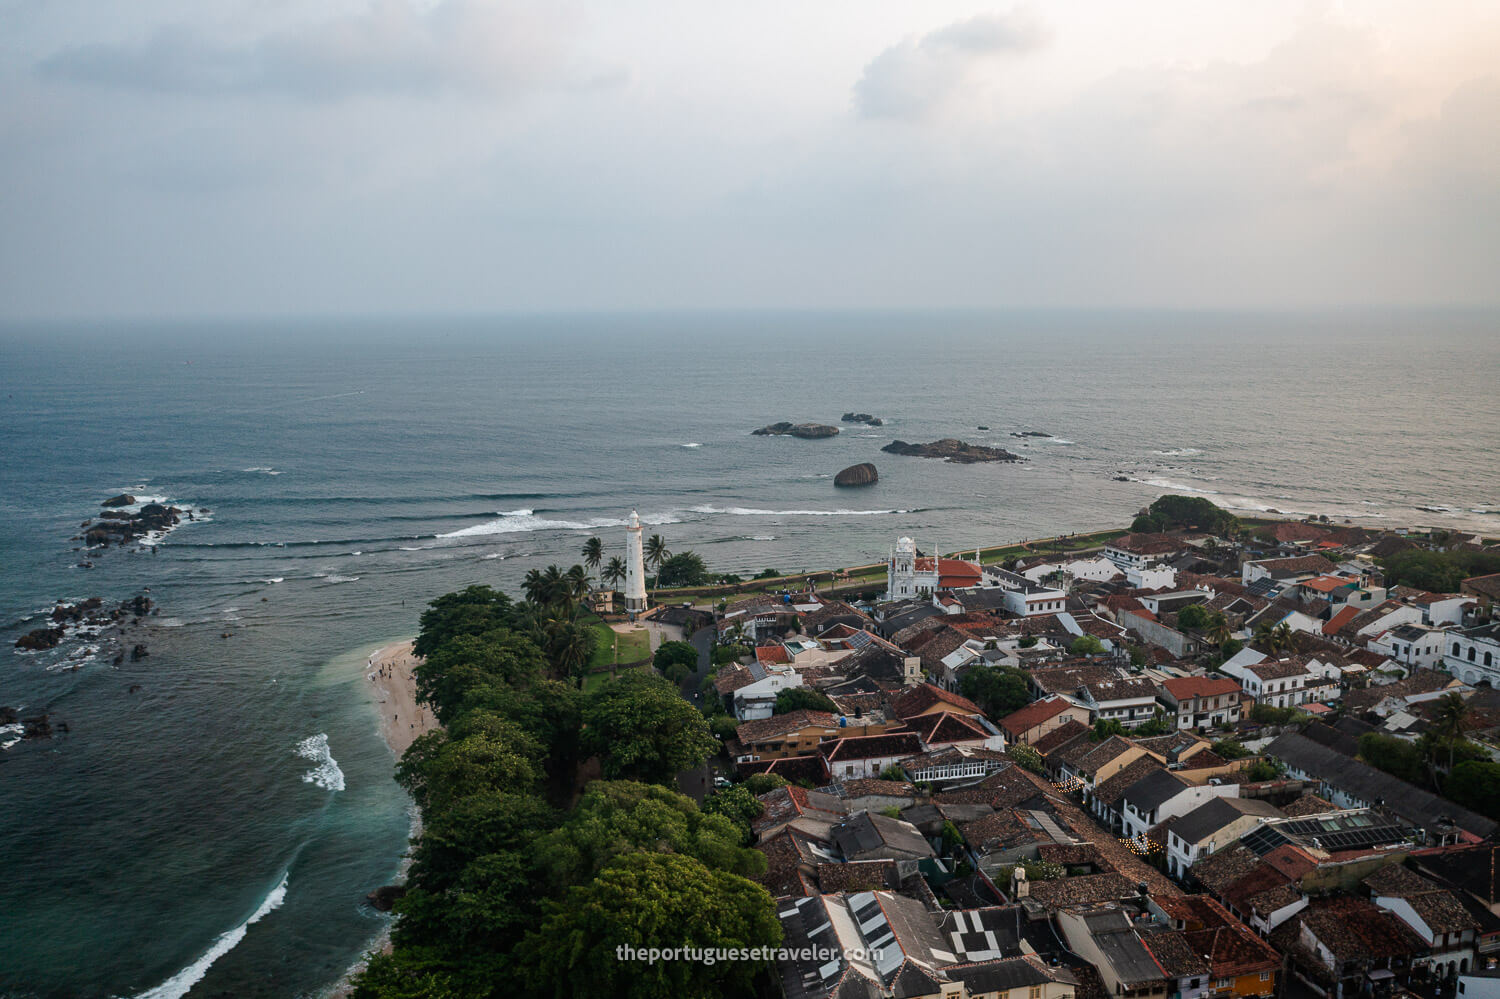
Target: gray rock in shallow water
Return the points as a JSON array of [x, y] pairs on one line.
[[124, 499], [863, 474], [809, 431], [950, 449]]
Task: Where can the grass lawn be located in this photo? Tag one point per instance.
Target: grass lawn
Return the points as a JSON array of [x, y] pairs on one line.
[[633, 645], [593, 681]]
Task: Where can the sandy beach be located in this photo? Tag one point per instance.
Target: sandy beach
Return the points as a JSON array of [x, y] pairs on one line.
[[402, 719]]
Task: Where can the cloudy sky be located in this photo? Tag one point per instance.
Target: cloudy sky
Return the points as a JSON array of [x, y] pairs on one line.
[[182, 158]]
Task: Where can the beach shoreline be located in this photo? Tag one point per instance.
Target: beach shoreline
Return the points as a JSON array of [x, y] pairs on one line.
[[402, 717]]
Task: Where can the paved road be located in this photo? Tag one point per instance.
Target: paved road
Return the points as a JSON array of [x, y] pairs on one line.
[[696, 783]]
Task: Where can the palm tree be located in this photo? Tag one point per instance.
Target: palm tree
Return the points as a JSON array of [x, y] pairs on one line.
[[533, 587], [1450, 721], [593, 553], [614, 571], [656, 551], [1218, 628], [575, 585]]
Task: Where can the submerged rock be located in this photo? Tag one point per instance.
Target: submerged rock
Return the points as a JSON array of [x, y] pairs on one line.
[[863, 474], [41, 639], [385, 897], [1029, 433], [952, 449], [809, 431]]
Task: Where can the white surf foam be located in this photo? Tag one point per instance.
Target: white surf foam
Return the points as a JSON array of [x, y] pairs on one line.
[[526, 521], [750, 511], [692, 445], [179, 984], [326, 774], [333, 577], [1178, 452], [1176, 486], [762, 537], [262, 469], [274, 579], [11, 734]]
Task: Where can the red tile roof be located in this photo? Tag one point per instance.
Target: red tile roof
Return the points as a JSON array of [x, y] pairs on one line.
[[1343, 617], [772, 654], [779, 726], [1188, 687], [865, 747], [1018, 722], [915, 700], [1327, 584]]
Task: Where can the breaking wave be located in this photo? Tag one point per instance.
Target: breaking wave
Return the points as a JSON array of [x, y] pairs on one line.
[[750, 511], [326, 774], [525, 521], [179, 984]]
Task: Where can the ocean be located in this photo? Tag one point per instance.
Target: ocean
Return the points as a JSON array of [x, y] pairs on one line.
[[216, 811]]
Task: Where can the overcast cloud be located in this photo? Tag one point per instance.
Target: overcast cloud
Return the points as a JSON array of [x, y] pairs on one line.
[[264, 156]]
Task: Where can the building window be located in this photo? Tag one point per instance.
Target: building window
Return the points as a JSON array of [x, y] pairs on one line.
[[1224, 983], [1265, 976], [1036, 992]]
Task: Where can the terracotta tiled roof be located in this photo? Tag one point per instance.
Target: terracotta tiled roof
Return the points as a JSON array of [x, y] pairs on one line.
[[1060, 736], [1084, 890], [1104, 753], [865, 747], [946, 728], [1033, 714], [1488, 586], [859, 787], [858, 875], [1336, 623], [1110, 791], [1218, 871], [1309, 804], [779, 726], [772, 654], [1309, 564], [915, 700], [1355, 929], [1188, 687], [1148, 544]]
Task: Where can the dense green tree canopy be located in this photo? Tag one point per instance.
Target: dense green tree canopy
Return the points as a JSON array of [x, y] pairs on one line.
[[1086, 645], [794, 698], [619, 817], [641, 729], [647, 900], [737, 805], [1439, 572], [473, 611], [676, 660], [1169, 512], [999, 690], [682, 569]]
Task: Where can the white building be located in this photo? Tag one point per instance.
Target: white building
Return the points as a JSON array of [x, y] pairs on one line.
[[910, 575], [1473, 654], [1415, 646], [1155, 577], [1162, 795], [1024, 597], [635, 568], [1094, 569]]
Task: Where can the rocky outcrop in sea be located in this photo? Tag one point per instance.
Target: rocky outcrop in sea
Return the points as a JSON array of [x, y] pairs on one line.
[[865, 418], [863, 474], [952, 449], [808, 431]]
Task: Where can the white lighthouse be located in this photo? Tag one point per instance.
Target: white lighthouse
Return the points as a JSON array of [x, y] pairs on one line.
[[635, 568]]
